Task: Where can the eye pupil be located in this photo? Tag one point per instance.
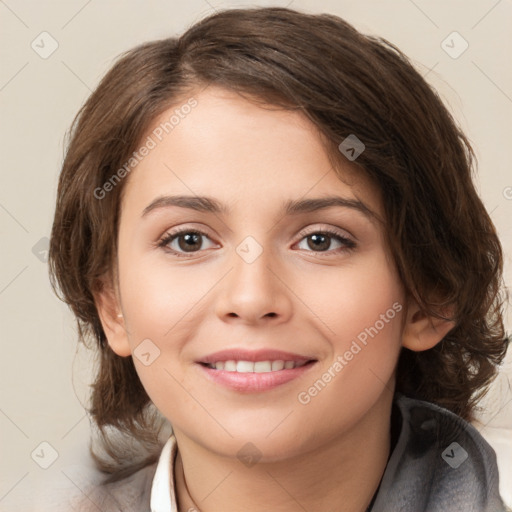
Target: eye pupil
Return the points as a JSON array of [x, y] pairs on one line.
[[192, 241], [321, 239]]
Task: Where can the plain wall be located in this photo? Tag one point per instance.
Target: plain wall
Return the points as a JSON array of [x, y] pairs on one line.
[[43, 384]]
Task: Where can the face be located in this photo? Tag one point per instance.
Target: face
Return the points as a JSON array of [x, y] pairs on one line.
[[264, 313]]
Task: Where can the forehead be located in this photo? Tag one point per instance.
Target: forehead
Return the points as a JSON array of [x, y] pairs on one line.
[[242, 153]]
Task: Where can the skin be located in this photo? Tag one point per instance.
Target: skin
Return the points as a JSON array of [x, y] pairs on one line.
[[330, 453]]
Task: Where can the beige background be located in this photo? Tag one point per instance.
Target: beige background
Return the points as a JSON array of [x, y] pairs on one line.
[[42, 382]]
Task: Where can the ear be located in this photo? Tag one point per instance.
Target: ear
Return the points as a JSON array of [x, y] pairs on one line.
[[422, 331], [112, 321]]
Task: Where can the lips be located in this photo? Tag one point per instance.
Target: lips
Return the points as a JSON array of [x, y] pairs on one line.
[[254, 371]]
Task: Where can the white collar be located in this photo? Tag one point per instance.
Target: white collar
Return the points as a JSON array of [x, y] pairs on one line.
[[163, 495]]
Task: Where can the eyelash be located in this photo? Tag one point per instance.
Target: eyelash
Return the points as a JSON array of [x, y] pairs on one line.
[[348, 243]]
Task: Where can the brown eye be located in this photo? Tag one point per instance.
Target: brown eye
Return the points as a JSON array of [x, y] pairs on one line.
[[189, 241], [184, 241], [322, 241], [319, 242]]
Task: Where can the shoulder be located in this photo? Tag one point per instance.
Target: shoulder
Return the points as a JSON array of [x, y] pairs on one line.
[[440, 463], [130, 494]]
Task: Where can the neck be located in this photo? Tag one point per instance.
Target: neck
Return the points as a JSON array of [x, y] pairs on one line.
[[342, 474]]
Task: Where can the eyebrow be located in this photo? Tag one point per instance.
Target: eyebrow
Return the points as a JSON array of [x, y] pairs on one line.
[[292, 207]]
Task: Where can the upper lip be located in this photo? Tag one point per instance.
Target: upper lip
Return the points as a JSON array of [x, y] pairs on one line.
[[253, 355]]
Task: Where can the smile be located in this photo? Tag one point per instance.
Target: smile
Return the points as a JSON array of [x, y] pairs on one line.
[[255, 371], [255, 367]]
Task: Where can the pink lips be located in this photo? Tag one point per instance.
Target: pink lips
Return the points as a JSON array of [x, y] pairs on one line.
[[254, 382]]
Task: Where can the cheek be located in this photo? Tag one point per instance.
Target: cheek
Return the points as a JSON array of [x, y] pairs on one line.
[[353, 299], [159, 299], [161, 306], [363, 315], [372, 308]]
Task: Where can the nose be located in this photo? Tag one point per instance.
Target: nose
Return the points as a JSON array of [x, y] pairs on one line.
[[255, 291]]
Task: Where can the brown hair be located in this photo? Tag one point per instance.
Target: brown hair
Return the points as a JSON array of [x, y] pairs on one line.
[[444, 243]]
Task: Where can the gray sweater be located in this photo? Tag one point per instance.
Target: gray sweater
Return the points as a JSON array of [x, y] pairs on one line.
[[439, 463]]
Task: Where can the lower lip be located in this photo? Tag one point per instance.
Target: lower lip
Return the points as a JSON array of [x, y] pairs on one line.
[[251, 382]]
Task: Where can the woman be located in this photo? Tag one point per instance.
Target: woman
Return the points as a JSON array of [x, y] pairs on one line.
[[269, 228]]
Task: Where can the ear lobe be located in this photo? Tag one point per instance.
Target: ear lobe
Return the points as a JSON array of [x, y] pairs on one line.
[[422, 331], [112, 321]]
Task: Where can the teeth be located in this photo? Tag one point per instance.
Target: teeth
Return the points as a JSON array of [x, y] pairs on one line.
[[255, 367], [262, 367], [277, 365], [244, 367], [229, 366]]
